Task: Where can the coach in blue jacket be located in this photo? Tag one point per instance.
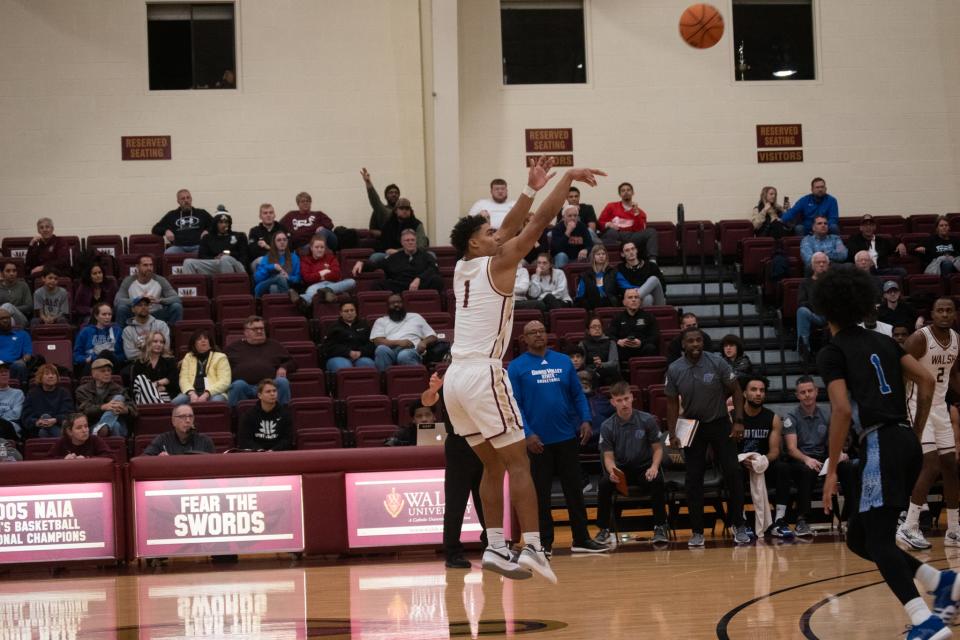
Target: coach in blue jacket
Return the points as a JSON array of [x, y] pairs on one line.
[[556, 418]]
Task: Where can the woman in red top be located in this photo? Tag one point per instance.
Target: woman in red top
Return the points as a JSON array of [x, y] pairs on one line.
[[320, 271], [77, 441]]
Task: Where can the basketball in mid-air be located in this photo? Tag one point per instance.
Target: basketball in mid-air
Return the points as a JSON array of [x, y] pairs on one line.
[[701, 25]]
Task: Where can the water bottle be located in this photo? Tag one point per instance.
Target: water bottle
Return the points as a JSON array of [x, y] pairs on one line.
[[3, 451]]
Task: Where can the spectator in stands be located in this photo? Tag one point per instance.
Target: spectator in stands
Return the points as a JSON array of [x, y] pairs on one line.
[[165, 304], [806, 317], [624, 221], [348, 342], [77, 442], [256, 357], [16, 349], [139, 327], [822, 241], [570, 239], [579, 359], [900, 333], [585, 212], [51, 304], [223, 250], [15, 295], [636, 272], [11, 406], [805, 434], [601, 353], [184, 226], [94, 287], [182, 439], [261, 236], [733, 352], [408, 270], [267, 426], [400, 337], [702, 381], [600, 411], [940, 252], [597, 287], [204, 371], [105, 403], [635, 331], [632, 454], [304, 224], [760, 452], [100, 339], [47, 404], [767, 216], [688, 320], [542, 245], [556, 420], [549, 285], [154, 376], [380, 212], [496, 206], [895, 311], [816, 203], [390, 241], [279, 270], [880, 248], [320, 272], [521, 285], [48, 250], [864, 262]]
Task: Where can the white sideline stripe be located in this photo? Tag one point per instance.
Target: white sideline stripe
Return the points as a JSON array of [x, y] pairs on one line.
[[53, 496], [54, 547], [414, 481]]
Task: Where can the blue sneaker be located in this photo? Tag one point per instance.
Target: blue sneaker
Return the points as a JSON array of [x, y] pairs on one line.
[[944, 606], [930, 629], [780, 529]]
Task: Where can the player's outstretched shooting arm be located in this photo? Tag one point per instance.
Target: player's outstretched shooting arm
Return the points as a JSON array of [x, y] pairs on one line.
[[538, 175]]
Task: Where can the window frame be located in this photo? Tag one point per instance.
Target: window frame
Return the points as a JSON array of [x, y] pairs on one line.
[[567, 86], [237, 58], [817, 54]]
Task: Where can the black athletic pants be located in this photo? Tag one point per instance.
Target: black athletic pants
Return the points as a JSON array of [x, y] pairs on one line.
[[793, 472], [714, 434], [635, 478], [560, 459], [890, 458], [460, 478]]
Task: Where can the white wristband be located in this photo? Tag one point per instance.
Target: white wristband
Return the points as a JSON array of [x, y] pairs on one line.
[[530, 193]]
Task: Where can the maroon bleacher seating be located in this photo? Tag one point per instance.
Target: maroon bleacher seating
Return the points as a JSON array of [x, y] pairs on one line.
[[372, 303], [330, 438], [731, 232], [308, 382], [196, 307], [752, 253], [691, 240], [56, 331], [373, 435], [348, 257], [422, 301], [224, 284], [563, 321], [404, 379], [666, 241], [922, 284], [277, 305], [189, 284], [212, 416], [666, 315], [140, 243], [38, 448], [109, 244], [127, 265], [288, 329], [234, 307], [173, 263], [357, 381], [312, 413], [58, 352], [15, 246], [184, 329], [368, 410], [922, 223], [788, 306], [154, 418], [439, 320], [647, 371]]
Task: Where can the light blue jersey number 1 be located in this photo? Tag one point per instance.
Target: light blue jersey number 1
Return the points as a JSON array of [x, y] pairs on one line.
[[881, 377]]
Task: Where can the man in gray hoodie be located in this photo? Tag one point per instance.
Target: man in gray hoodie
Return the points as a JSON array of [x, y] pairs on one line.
[[139, 327]]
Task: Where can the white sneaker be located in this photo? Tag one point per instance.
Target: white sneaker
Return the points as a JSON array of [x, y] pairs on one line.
[[912, 537], [537, 561], [502, 561], [951, 538]]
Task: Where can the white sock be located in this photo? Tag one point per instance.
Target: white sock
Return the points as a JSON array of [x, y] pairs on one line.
[[953, 519], [928, 577], [532, 538], [913, 516], [495, 538], [918, 610], [781, 512]]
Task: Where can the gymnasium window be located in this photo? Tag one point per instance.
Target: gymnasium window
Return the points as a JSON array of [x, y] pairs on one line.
[[191, 46], [543, 42], [773, 40]]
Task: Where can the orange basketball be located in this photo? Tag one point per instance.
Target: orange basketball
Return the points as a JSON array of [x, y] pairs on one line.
[[701, 26]]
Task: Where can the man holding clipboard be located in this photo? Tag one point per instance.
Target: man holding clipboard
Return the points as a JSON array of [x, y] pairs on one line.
[[704, 380]]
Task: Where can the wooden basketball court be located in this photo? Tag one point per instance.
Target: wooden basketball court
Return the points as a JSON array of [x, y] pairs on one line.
[[767, 590]]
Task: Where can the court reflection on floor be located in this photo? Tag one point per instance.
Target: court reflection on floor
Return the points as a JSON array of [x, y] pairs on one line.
[[59, 609]]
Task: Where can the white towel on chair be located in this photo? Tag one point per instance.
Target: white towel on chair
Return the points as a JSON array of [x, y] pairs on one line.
[[758, 489]]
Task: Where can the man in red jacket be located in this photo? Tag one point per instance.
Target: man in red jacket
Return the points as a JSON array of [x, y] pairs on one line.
[[304, 224], [624, 221], [320, 270]]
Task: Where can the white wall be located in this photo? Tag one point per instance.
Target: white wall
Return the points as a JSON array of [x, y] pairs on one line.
[[325, 88], [881, 123]]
